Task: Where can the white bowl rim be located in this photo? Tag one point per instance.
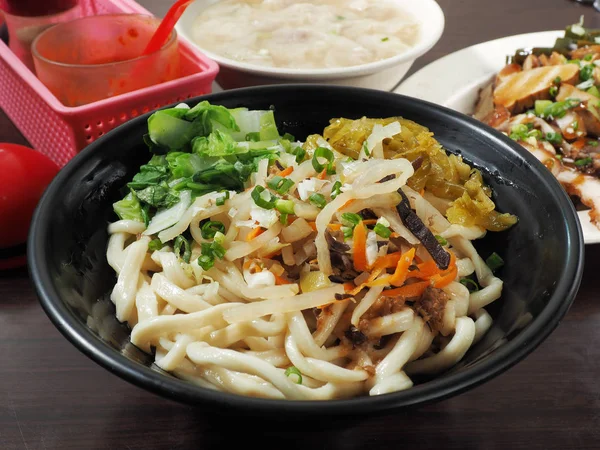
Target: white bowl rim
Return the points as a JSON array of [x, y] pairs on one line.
[[433, 21]]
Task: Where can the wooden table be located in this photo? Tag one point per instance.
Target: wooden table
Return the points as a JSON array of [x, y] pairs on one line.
[[53, 397]]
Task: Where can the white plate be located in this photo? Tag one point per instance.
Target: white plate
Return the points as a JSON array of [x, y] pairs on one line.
[[454, 81]]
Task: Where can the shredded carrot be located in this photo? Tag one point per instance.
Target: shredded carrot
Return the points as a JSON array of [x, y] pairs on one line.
[[313, 225], [348, 203], [349, 286], [578, 144], [399, 276], [360, 247], [408, 290], [322, 175], [370, 221], [394, 235], [422, 193], [425, 270], [440, 281], [334, 226], [255, 233], [388, 261], [376, 272], [286, 172], [279, 280], [447, 276]]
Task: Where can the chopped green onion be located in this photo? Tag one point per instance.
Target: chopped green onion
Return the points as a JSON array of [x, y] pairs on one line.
[[588, 57], [494, 261], [559, 157], [441, 240], [382, 230], [210, 228], [594, 91], [557, 80], [575, 125], [293, 371], [553, 91], [284, 206], [268, 203], [366, 149], [280, 185], [221, 200], [187, 250], [289, 137], [554, 138], [340, 17], [348, 232], [351, 219], [155, 244], [573, 61], [586, 72], [385, 39], [535, 133], [336, 189], [471, 285], [219, 238], [559, 109], [213, 249], [283, 218], [540, 106], [318, 200], [322, 152], [206, 262], [299, 153], [593, 143], [253, 137], [584, 161]]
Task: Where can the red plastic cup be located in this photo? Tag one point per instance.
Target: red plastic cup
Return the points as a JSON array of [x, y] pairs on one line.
[[36, 8], [98, 57], [25, 22]]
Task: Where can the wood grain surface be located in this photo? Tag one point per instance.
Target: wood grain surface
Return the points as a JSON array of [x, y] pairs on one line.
[[53, 397]]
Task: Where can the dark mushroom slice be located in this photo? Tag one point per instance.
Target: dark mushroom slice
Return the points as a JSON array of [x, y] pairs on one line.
[[422, 233], [355, 336]]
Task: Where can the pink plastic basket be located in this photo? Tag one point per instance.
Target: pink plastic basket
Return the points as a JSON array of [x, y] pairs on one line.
[[59, 131]]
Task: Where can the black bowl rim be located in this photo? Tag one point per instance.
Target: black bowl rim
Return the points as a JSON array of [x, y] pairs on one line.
[[173, 388]]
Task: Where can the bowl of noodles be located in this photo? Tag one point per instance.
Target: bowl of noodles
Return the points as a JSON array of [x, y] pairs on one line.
[[287, 249]]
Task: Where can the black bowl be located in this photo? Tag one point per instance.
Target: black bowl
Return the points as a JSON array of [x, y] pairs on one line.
[[543, 252]]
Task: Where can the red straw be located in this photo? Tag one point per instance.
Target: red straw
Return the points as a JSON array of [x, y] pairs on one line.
[[165, 28]]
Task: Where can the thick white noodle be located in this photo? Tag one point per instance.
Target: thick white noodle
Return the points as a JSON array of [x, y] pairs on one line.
[[483, 322], [332, 317], [368, 300], [124, 292], [451, 354], [251, 311]]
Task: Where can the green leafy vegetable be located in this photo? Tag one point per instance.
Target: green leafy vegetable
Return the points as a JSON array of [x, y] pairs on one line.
[[159, 196], [336, 189], [129, 208]]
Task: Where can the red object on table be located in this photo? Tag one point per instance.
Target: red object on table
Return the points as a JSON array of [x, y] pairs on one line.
[[24, 175], [166, 26], [36, 8]]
